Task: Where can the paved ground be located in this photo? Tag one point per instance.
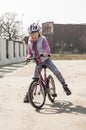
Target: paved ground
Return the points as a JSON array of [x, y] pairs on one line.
[[67, 113], [8, 69]]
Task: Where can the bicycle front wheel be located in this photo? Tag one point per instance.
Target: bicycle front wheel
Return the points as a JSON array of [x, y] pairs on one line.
[[36, 94], [51, 87]]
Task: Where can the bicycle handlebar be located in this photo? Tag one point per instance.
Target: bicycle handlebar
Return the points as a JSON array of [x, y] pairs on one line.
[[34, 58]]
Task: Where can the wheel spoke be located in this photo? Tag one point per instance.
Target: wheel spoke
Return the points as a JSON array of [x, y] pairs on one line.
[[36, 95], [51, 87]]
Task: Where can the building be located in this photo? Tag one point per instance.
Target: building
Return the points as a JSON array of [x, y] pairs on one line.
[[65, 37]]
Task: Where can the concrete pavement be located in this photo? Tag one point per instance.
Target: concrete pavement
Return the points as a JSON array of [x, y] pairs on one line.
[[9, 69], [67, 113]]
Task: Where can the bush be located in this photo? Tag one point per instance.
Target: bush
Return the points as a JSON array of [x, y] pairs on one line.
[[68, 56]]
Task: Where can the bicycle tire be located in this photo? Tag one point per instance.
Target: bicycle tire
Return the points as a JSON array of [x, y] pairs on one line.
[[51, 81], [36, 90]]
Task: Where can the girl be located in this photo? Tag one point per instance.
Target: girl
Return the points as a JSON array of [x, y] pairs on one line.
[[37, 45]]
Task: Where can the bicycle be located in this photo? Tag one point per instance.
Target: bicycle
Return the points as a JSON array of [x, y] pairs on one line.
[[40, 87]]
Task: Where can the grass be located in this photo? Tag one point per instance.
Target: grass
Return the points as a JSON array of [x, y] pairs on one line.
[[68, 56]]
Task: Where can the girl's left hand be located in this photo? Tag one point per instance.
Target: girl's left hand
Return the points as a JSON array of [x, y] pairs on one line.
[[45, 54]]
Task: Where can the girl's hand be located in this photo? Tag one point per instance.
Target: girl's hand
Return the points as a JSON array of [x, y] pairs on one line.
[[45, 55]]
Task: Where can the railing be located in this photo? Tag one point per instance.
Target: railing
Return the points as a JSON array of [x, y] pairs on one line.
[[11, 52]]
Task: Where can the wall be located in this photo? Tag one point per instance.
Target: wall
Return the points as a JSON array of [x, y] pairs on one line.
[[11, 52], [65, 37]]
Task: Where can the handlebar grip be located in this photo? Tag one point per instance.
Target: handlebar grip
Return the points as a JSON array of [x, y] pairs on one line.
[[42, 55], [48, 55]]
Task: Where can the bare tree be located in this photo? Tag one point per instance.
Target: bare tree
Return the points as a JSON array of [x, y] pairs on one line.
[[10, 28]]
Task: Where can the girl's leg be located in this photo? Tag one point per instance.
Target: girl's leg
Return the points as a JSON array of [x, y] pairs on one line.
[[58, 74], [36, 75], [55, 70], [37, 69]]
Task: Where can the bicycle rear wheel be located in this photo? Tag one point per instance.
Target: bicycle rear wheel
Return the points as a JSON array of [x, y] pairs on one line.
[[36, 94], [51, 87]]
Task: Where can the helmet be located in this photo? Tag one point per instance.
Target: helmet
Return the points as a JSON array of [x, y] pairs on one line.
[[34, 28]]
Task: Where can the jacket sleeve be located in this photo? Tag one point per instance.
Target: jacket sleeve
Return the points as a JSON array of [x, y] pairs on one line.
[[46, 46], [29, 55]]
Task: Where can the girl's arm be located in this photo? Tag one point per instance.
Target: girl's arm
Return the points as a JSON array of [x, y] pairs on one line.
[[29, 53], [46, 46]]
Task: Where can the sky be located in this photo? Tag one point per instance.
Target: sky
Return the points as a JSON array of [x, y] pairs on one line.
[[58, 11]]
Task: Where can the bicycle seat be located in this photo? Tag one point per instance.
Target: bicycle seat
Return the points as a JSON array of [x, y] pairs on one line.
[[44, 66]]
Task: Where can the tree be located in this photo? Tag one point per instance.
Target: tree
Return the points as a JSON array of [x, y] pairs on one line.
[[10, 28]]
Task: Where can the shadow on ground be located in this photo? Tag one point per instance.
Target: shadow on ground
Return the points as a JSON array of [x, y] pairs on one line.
[[60, 107]]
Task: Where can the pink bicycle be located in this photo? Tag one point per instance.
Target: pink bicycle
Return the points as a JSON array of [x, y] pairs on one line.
[[40, 87]]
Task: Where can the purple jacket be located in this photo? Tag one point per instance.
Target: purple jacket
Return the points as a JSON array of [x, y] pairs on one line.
[[42, 47]]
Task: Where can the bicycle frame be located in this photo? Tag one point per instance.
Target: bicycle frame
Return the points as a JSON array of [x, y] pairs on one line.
[[40, 87], [43, 78]]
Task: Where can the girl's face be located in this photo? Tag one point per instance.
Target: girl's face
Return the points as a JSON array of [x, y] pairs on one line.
[[34, 37]]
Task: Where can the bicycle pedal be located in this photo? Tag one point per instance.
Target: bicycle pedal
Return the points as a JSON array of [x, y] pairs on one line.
[[38, 93], [34, 93], [54, 95]]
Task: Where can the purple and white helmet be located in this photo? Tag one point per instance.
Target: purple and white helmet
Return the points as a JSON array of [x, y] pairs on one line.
[[34, 28]]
